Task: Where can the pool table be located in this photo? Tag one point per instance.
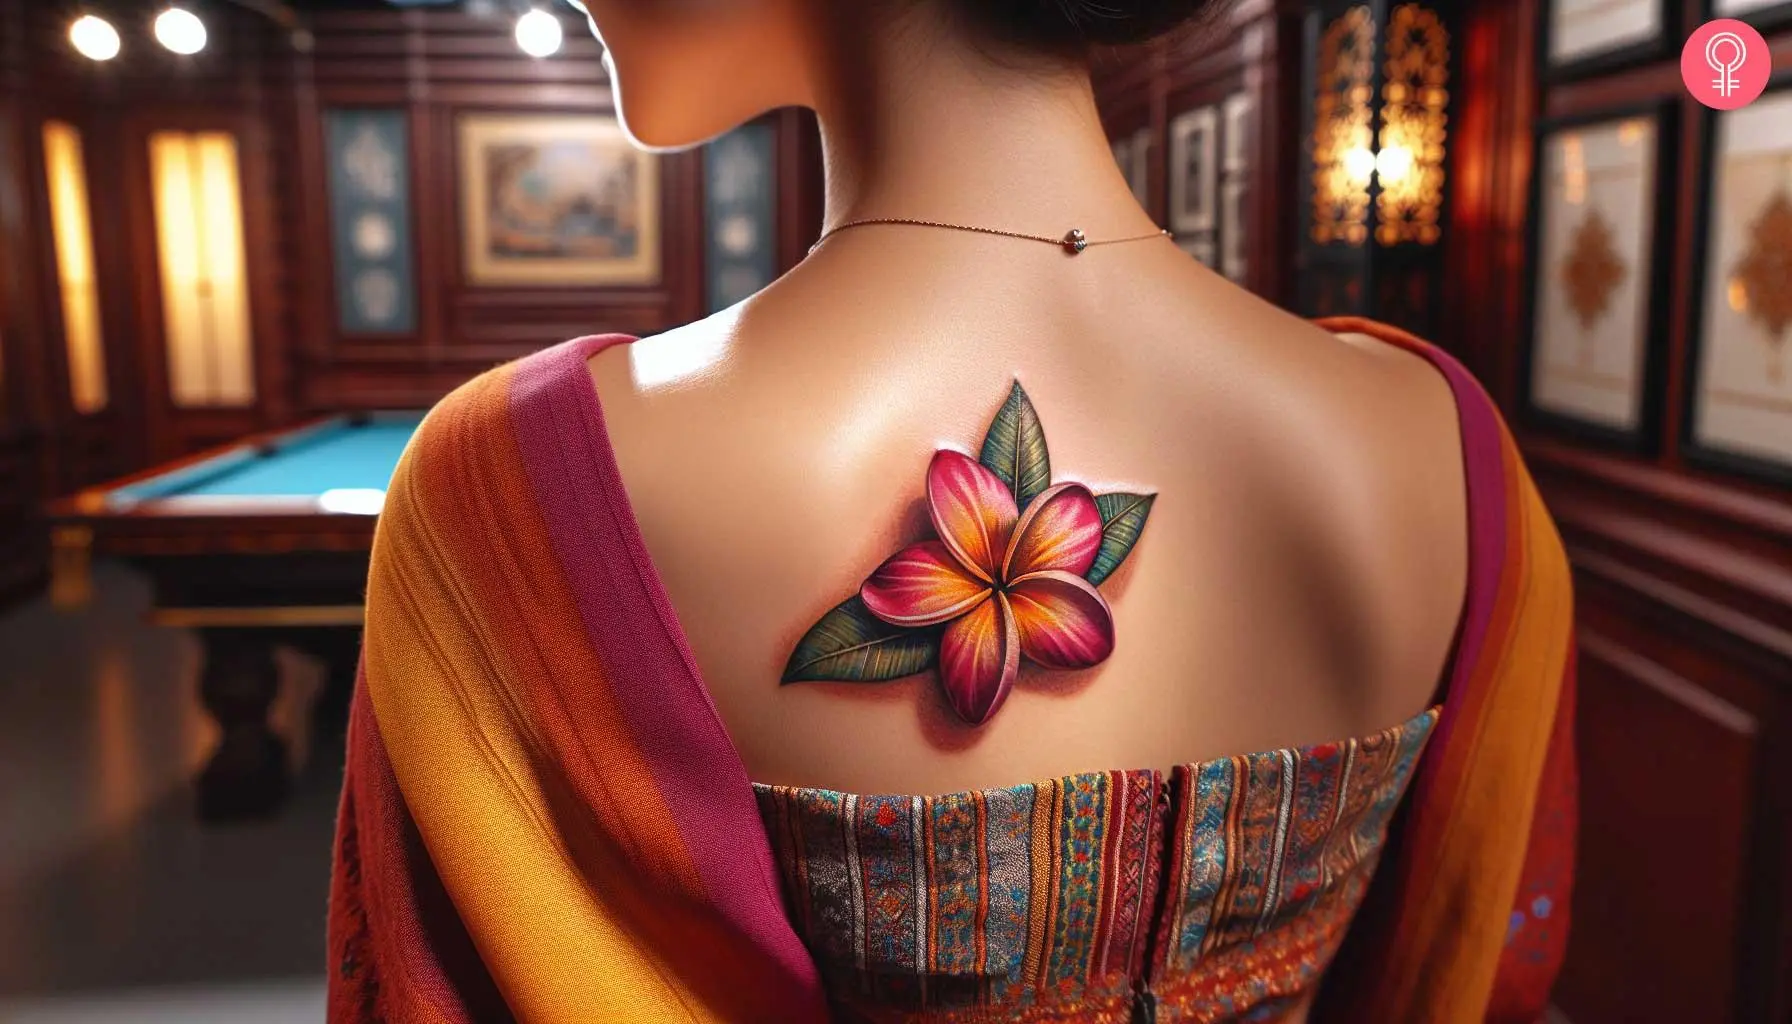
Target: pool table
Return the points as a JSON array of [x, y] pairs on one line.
[[253, 544]]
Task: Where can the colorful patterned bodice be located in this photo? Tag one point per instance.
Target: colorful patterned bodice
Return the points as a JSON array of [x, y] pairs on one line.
[[1219, 894]]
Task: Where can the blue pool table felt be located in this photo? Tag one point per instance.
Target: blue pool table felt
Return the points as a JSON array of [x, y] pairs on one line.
[[333, 455]]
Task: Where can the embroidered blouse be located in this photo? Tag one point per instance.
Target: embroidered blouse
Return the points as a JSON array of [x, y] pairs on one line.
[[1218, 894]]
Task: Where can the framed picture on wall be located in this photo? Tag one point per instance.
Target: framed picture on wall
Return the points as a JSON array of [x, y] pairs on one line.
[[740, 207], [1232, 231], [368, 151], [1598, 257], [1581, 37], [1194, 170], [1739, 409], [1236, 131], [558, 200], [1759, 13]]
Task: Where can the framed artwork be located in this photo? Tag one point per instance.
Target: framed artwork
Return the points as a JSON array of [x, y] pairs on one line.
[[1596, 303], [1763, 14], [556, 200], [368, 152], [1236, 130], [740, 203], [1739, 410], [1194, 170], [1232, 262], [1581, 37]]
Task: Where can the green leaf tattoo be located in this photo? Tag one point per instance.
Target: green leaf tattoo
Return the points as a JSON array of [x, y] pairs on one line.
[[849, 644], [1122, 520], [1014, 448]]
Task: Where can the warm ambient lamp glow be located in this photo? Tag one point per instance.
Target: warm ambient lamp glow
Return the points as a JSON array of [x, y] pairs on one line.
[[93, 38], [203, 269], [1391, 139], [180, 30], [538, 33], [66, 177]]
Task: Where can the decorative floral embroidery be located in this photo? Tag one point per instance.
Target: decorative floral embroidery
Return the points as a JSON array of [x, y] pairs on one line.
[[1012, 573], [1053, 888]]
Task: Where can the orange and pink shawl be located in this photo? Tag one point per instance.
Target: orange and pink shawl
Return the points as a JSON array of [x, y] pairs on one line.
[[544, 819]]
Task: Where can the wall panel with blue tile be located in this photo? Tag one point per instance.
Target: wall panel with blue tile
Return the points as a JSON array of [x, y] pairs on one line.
[[370, 220], [740, 208]]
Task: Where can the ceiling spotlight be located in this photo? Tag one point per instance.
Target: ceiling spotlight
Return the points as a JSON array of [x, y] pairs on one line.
[[94, 38], [180, 31], [538, 33]]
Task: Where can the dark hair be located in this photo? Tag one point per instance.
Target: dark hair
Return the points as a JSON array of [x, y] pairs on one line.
[[1071, 26]]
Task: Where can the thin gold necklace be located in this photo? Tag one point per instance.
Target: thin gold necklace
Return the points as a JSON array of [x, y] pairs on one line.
[[1072, 242]]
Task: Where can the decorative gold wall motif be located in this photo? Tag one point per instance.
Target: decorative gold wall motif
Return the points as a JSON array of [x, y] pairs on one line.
[[1343, 159], [1593, 269], [1415, 96], [1761, 282]]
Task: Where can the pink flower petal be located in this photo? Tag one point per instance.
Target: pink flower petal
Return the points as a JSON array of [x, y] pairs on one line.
[[1063, 621], [1060, 530], [921, 585], [979, 658], [973, 511]]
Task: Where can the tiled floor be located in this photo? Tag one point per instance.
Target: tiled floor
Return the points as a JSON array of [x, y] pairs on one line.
[[115, 903]]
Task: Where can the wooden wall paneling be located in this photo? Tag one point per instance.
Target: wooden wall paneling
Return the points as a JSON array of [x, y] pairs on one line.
[[313, 302], [1269, 49], [23, 436], [801, 186], [1490, 166], [1729, 901], [1674, 770], [435, 255], [1681, 579]]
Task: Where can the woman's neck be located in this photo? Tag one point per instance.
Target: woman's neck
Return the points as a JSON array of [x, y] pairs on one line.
[[917, 123]]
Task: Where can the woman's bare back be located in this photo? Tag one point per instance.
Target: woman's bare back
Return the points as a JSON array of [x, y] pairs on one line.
[[1299, 580]]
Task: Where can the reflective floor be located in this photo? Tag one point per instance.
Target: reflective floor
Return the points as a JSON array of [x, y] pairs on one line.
[[115, 903]]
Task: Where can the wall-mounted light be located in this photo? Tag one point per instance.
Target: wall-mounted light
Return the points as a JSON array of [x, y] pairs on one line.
[[180, 31], [94, 38], [538, 33], [1376, 132]]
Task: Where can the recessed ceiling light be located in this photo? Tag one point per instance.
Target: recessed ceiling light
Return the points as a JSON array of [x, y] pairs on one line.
[[538, 33], [94, 38], [180, 30]]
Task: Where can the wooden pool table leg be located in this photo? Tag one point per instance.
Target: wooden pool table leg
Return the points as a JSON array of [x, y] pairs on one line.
[[247, 774]]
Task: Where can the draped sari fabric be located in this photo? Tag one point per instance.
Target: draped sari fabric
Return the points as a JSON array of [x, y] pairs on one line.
[[543, 818]]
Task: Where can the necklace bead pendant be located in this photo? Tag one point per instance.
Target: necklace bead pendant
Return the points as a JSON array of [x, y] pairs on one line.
[[1075, 241]]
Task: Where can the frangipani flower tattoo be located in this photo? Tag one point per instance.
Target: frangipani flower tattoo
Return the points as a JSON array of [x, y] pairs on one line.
[[1011, 573]]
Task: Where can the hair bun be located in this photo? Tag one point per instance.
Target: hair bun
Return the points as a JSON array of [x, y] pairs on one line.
[[1078, 24]]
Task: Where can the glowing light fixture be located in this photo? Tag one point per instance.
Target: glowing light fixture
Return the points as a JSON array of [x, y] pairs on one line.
[[205, 286], [66, 172], [180, 30], [538, 33], [1377, 134], [93, 38]]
